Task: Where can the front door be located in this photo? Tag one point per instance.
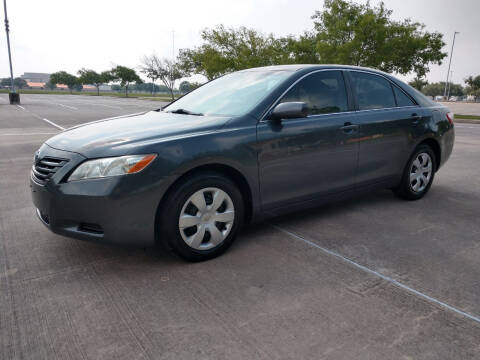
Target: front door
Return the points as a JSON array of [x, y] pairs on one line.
[[301, 159]]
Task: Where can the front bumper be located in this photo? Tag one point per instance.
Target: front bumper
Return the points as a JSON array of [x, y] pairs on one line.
[[116, 210]]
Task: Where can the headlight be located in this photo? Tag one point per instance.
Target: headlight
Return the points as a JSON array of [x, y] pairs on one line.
[[112, 166]]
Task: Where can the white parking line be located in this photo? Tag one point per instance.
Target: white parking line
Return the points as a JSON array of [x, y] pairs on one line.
[[44, 119], [98, 104], [53, 103], [384, 277], [66, 106], [30, 134], [53, 124]]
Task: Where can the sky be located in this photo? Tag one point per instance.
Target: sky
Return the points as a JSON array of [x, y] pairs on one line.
[[53, 35]]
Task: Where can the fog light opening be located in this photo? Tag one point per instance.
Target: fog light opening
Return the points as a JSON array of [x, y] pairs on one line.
[[90, 228]]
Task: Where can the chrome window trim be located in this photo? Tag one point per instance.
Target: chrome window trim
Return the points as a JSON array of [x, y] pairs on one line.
[[275, 103], [389, 108]]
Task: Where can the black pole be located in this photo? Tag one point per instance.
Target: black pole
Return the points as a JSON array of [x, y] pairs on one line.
[[450, 63], [14, 97]]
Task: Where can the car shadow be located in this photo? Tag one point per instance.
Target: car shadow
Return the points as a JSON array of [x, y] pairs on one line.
[[252, 232]]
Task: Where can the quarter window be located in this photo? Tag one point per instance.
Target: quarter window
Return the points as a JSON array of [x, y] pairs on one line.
[[402, 99], [323, 92], [373, 92]]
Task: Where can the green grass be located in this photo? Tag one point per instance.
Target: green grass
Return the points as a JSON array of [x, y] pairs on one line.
[[467, 117], [146, 96]]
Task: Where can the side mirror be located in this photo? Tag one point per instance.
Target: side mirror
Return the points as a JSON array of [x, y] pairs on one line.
[[289, 110]]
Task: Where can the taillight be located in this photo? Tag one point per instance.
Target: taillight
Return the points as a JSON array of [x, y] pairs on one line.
[[450, 117]]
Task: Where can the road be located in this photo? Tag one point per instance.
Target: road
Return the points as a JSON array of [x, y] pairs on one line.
[[369, 278]]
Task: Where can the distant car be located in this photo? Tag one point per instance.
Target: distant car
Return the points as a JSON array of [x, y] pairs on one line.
[[470, 98], [440, 98], [246, 146], [453, 98]]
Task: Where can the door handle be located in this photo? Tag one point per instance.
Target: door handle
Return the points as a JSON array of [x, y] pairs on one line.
[[415, 118], [349, 128]]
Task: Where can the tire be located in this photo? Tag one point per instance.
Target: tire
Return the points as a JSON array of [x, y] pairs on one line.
[[418, 174], [207, 228]]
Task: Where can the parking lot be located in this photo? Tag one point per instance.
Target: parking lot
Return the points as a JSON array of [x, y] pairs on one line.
[[463, 108], [369, 278]]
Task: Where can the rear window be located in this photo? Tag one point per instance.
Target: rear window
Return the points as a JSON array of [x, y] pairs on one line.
[[373, 92]]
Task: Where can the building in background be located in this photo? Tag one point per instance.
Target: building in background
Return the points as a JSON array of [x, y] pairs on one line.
[[35, 77]]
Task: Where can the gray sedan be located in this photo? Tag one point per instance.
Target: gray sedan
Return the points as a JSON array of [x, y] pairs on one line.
[[249, 145]]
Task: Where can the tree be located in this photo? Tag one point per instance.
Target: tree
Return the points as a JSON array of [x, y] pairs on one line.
[[187, 86], [149, 68], [473, 85], [62, 77], [229, 49], [50, 85], [147, 87], [126, 76], [6, 82], [362, 35], [19, 83], [91, 77], [344, 33], [437, 89], [418, 83], [166, 70], [78, 87]]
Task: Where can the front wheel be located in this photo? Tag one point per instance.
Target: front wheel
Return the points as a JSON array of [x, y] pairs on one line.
[[201, 216], [418, 174]]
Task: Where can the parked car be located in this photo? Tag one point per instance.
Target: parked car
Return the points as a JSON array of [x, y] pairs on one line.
[[440, 98], [453, 98], [241, 148]]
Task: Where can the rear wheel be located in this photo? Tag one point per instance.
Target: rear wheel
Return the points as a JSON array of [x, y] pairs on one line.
[[418, 174], [202, 216]]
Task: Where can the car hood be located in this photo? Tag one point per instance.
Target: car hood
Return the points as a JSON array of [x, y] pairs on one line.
[[124, 135]]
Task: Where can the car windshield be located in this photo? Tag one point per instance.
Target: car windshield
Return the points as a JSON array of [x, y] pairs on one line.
[[230, 95]]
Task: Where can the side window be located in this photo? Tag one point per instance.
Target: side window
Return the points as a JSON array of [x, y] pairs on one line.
[[323, 92], [402, 99], [373, 92]]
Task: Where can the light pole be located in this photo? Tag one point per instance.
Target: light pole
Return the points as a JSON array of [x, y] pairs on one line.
[[13, 96], [450, 63], [449, 84]]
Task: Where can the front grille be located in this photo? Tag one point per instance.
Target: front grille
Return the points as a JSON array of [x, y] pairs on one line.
[[44, 168]]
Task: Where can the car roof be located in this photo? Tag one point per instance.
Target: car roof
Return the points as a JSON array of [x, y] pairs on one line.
[[298, 67]]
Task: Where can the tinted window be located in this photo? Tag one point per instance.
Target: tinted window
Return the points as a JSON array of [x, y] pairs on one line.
[[323, 92], [373, 92], [402, 99]]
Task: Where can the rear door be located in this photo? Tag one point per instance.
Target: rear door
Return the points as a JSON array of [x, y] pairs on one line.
[[387, 118], [300, 159]]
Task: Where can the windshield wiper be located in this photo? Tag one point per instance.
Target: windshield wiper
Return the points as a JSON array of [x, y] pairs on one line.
[[185, 112]]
